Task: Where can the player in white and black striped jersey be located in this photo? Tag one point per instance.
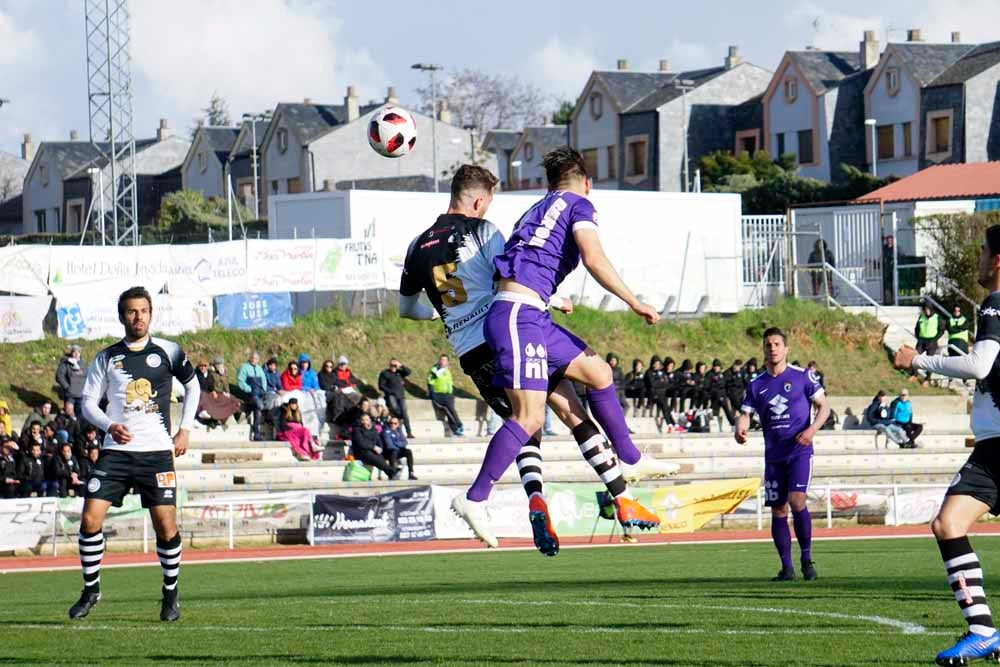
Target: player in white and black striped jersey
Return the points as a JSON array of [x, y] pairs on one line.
[[135, 376]]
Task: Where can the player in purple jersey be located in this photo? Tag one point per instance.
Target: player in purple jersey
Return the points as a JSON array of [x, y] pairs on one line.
[[551, 238], [782, 395]]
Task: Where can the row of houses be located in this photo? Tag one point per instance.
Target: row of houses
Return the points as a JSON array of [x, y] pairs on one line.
[[924, 104], [300, 147]]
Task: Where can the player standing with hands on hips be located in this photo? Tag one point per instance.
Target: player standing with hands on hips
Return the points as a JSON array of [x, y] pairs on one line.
[[976, 488], [135, 375], [783, 395]]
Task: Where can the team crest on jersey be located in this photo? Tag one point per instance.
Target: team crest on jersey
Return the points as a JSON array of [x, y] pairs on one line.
[[94, 485], [788, 386], [535, 365], [153, 360], [166, 480]]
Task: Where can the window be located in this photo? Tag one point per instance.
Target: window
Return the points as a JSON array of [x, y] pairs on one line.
[[274, 187], [202, 162], [780, 144], [612, 163], [282, 139], [294, 185], [635, 157], [907, 139], [939, 125], [529, 151], [40, 221], [886, 147], [892, 80], [746, 142], [806, 147], [791, 89], [590, 159], [538, 181], [43, 173], [596, 105]]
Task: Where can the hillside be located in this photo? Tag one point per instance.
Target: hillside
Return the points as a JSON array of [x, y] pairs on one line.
[[847, 347]]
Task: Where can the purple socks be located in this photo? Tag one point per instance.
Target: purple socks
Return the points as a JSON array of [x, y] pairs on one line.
[[501, 452], [782, 540], [803, 532], [608, 413]]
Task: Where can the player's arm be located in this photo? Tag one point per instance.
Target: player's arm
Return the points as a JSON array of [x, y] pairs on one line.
[[184, 372], [822, 414], [94, 389], [597, 263], [742, 427], [975, 365], [411, 308]]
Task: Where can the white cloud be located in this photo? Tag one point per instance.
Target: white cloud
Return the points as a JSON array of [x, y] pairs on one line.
[[824, 28], [561, 69]]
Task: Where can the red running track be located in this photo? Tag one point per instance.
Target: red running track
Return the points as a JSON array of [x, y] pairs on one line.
[[45, 563]]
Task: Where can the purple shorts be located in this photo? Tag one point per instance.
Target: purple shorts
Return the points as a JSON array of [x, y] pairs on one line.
[[784, 477], [528, 345]]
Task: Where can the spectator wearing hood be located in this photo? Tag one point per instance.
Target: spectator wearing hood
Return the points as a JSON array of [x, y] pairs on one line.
[[310, 380], [291, 378], [8, 427], [71, 375]]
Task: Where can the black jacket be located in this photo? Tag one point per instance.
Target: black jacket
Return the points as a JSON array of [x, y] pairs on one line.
[[32, 469], [735, 384], [716, 383], [71, 378], [635, 385], [878, 413], [362, 438], [8, 468], [393, 383], [657, 383], [618, 377]]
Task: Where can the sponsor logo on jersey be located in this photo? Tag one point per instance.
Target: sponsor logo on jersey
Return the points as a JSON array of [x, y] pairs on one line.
[[169, 493], [535, 365], [989, 312], [166, 480], [138, 393], [94, 485], [153, 360], [779, 405]]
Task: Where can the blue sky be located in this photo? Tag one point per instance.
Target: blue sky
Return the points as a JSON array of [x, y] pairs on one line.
[[258, 52]]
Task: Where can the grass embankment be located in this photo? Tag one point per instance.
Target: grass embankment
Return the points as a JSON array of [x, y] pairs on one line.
[[847, 347]]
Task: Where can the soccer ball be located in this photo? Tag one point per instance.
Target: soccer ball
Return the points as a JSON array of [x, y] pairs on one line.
[[392, 132]]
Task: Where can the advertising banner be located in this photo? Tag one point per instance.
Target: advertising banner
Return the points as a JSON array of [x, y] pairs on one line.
[[21, 317], [347, 264], [174, 315], [25, 270], [684, 508], [89, 316], [400, 516], [284, 266], [254, 311]]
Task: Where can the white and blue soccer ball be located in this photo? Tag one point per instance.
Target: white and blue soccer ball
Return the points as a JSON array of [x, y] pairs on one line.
[[392, 132]]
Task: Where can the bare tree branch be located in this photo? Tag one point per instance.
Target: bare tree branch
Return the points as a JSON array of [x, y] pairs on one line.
[[489, 101]]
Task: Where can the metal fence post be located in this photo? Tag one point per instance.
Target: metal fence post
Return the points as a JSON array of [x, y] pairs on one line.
[[232, 537], [55, 529], [829, 506]]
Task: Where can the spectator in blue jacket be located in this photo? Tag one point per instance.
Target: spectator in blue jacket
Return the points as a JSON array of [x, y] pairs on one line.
[[902, 414], [253, 384], [394, 444], [272, 376], [310, 380]]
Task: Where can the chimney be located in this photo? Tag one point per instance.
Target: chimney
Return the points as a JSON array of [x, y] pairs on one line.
[[328, 185], [733, 58], [307, 100], [546, 119], [444, 114], [913, 35], [390, 96], [868, 50], [74, 135], [351, 104], [27, 149], [622, 65], [956, 37], [664, 65], [163, 131]]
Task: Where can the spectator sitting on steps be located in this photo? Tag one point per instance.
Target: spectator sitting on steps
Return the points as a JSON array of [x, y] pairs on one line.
[[217, 405], [291, 379], [67, 473], [253, 385], [902, 414], [394, 445], [441, 390], [272, 376], [635, 387], [41, 414], [292, 431], [310, 380], [67, 421], [365, 446], [33, 472], [9, 468], [8, 426]]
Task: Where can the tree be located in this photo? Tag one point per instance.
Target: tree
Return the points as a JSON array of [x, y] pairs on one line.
[[956, 242], [216, 113], [488, 101], [719, 168], [8, 185], [564, 113]]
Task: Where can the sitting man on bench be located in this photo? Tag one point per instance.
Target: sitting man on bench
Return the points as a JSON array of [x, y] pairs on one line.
[[365, 446]]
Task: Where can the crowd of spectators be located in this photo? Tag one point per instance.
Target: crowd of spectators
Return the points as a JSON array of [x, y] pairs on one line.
[[895, 419]]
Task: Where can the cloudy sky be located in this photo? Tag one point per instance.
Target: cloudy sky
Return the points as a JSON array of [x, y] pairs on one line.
[[255, 53]]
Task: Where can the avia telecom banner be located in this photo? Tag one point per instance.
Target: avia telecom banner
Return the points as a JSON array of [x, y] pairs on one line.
[[400, 516], [21, 317]]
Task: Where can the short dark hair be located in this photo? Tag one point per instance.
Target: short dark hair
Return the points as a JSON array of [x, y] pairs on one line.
[[993, 239], [775, 331], [137, 292], [563, 163], [471, 177]]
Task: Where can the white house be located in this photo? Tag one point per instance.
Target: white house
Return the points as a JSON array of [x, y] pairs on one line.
[[204, 168]]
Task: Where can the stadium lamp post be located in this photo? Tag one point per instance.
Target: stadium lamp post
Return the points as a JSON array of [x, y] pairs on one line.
[[870, 122], [684, 85], [472, 142], [517, 165], [427, 67], [254, 119]]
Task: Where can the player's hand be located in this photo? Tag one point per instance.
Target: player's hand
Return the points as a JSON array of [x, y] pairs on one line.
[[742, 435], [904, 358], [180, 442], [378, 450], [806, 437], [120, 434], [565, 305], [646, 312]]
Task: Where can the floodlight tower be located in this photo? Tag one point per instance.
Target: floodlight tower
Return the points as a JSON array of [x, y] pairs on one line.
[[109, 90]]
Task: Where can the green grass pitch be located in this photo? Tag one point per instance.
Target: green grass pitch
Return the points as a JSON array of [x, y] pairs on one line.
[[878, 602]]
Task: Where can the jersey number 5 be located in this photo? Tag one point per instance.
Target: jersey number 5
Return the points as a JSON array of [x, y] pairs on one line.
[[449, 285]]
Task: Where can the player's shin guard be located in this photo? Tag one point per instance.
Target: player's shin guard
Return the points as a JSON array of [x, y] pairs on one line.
[[608, 413], [782, 540], [600, 457], [529, 466], [91, 553], [169, 552], [966, 579], [501, 452], [802, 521]]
